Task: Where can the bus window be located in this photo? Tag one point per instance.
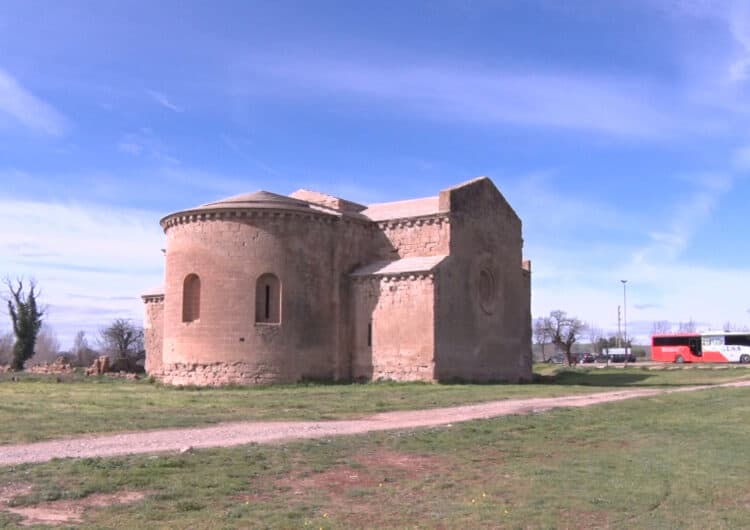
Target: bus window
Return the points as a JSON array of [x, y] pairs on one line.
[[738, 340], [672, 341], [713, 340]]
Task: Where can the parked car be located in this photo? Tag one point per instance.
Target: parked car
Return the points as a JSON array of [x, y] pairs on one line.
[[558, 358], [586, 358], [601, 358], [620, 358]]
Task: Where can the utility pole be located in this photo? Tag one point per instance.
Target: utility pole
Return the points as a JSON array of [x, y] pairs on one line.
[[625, 318], [619, 330]]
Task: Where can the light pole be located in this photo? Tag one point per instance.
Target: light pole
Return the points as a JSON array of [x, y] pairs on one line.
[[625, 317]]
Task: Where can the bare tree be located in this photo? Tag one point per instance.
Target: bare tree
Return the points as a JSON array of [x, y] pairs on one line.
[[731, 326], [83, 354], [687, 327], [47, 346], [542, 333], [660, 327], [123, 341], [26, 316], [594, 335], [565, 331], [6, 348]]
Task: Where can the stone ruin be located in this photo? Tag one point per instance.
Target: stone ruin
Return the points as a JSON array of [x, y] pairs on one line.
[[61, 365], [99, 366], [104, 366]]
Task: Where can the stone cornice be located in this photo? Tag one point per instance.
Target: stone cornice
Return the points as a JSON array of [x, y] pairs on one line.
[[152, 298], [233, 214], [405, 222], [396, 277]]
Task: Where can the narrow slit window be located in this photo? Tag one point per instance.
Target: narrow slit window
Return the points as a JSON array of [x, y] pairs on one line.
[[268, 299], [191, 298], [369, 333]]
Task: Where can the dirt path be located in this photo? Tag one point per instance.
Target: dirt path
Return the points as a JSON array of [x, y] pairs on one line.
[[229, 434]]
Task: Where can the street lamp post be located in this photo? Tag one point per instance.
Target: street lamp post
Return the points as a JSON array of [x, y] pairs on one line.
[[625, 318]]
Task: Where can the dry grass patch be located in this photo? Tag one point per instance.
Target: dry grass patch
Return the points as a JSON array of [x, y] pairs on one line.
[[355, 488]]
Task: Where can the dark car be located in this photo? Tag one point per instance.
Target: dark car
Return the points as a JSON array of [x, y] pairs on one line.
[[558, 358], [621, 358], [586, 358]]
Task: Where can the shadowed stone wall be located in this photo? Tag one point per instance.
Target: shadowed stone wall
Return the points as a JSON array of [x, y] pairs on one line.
[[483, 318]]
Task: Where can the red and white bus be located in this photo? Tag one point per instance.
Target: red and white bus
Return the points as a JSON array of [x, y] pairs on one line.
[[709, 347]]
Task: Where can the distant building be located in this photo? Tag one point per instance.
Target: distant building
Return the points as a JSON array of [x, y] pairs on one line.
[[265, 288]]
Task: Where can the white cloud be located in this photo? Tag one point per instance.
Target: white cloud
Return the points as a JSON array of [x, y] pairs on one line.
[[162, 100], [741, 158], [614, 106], [582, 275], [734, 16], [670, 237], [21, 106], [677, 292], [738, 18], [146, 143], [91, 261], [131, 148]]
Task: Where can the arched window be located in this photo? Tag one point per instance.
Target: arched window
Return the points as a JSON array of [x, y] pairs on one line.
[[268, 299], [191, 298]]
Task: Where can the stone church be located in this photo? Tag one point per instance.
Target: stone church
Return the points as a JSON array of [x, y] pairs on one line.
[[265, 288]]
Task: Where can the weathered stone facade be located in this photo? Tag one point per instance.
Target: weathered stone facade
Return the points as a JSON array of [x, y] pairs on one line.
[[264, 288]]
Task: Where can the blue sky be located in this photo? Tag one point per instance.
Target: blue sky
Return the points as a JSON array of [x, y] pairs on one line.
[[617, 130]]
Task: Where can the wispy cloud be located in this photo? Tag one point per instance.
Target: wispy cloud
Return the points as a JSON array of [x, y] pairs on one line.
[[733, 62], [162, 100], [614, 106], [583, 276], [672, 236], [738, 19], [130, 147], [91, 261], [146, 143], [21, 106]]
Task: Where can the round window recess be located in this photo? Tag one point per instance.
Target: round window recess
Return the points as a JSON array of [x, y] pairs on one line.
[[487, 291]]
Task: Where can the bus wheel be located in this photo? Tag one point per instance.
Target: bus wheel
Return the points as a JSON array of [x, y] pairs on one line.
[[679, 359], [744, 359]]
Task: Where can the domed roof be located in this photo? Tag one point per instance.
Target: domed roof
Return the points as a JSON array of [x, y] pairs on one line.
[[257, 199]]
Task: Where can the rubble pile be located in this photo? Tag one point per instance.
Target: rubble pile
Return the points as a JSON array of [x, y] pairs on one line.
[[61, 365]]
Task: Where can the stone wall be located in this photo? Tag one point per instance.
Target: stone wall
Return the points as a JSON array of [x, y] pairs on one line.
[[311, 254], [399, 310], [483, 320], [219, 373], [153, 331], [429, 236]]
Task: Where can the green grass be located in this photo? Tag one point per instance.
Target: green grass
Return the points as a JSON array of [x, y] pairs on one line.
[[37, 407], [672, 461]]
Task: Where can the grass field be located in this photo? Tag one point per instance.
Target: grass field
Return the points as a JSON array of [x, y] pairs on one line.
[[78, 405], [673, 461]]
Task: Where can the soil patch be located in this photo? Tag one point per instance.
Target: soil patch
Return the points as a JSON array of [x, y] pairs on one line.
[[10, 491], [62, 511], [344, 486]]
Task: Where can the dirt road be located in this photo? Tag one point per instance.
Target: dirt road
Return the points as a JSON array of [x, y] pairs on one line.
[[230, 434]]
